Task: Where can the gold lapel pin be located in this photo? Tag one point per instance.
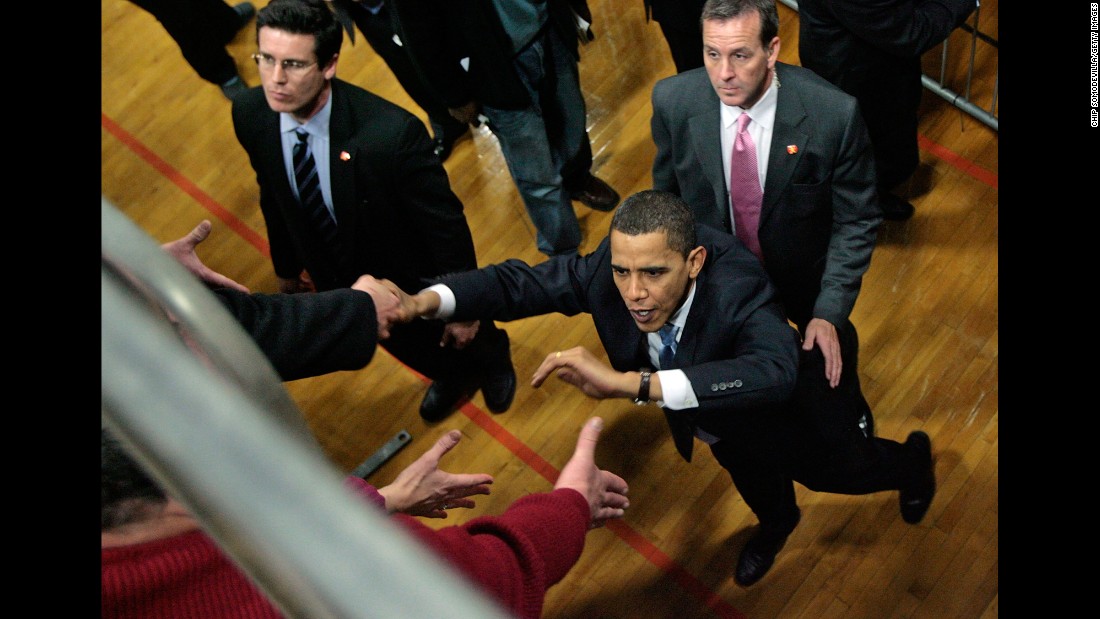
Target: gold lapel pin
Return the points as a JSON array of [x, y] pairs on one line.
[[792, 149]]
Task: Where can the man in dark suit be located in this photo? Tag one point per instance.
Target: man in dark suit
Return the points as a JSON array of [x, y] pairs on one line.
[[514, 62], [387, 192], [730, 380], [871, 49], [817, 224]]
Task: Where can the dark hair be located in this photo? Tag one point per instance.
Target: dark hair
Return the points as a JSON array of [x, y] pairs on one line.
[[652, 210], [721, 10], [304, 17], [127, 493]]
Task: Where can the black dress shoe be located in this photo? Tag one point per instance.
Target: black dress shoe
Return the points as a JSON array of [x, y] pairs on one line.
[[444, 398], [499, 385], [499, 388], [597, 195], [916, 497], [894, 208], [759, 553]]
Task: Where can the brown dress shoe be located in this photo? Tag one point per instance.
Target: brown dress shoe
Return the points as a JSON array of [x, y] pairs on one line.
[[597, 195]]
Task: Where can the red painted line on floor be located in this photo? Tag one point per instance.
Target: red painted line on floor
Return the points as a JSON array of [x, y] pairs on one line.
[[181, 181], [964, 165]]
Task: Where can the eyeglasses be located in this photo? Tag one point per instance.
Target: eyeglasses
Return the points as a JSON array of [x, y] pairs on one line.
[[266, 62]]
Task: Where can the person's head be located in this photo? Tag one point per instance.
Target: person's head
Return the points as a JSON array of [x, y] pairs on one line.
[[654, 255], [298, 43], [740, 47], [127, 494]]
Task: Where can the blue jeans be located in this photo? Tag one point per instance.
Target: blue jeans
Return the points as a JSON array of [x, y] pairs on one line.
[[540, 141]]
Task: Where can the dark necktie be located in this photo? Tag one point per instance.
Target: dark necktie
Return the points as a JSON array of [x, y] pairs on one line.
[[309, 193], [745, 193], [668, 348]]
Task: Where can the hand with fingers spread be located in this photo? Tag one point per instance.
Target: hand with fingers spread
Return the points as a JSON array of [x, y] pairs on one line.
[[580, 368], [424, 490], [605, 491], [183, 250]]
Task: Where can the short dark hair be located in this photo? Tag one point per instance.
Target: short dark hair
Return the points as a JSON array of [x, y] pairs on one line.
[[127, 493], [652, 210], [721, 10], [304, 17]]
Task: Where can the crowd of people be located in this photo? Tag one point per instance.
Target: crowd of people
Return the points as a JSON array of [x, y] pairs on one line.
[[722, 295]]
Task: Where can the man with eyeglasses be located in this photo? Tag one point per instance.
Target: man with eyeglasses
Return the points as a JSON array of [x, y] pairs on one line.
[[385, 191]]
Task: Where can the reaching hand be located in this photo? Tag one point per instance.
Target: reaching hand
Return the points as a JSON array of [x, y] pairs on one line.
[[183, 250], [424, 303], [424, 490], [605, 491], [386, 302], [822, 332], [580, 368]]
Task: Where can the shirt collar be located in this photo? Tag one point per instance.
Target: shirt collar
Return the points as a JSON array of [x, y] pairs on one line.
[[763, 113], [316, 126]]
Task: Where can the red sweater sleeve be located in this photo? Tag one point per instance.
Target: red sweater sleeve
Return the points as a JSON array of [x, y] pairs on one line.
[[517, 556]]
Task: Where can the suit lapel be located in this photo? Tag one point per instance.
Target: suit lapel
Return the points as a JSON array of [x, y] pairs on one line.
[[786, 136], [271, 153], [708, 150], [343, 160]]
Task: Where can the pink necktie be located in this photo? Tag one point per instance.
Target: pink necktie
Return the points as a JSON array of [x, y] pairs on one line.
[[745, 193]]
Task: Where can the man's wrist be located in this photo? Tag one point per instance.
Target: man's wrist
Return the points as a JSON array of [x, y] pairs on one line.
[[643, 389]]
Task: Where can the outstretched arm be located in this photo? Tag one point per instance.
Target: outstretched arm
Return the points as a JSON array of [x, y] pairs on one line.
[[183, 250], [424, 490]]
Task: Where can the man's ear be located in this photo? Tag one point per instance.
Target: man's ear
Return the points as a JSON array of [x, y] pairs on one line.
[[696, 258]]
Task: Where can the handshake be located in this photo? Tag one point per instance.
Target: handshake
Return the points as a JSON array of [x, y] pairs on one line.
[[395, 306]]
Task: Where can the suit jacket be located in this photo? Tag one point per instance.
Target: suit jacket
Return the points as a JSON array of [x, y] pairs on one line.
[[308, 334], [737, 348], [397, 215], [439, 36], [820, 214]]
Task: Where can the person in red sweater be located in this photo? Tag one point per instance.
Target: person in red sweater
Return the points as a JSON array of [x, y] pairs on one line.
[[157, 562]]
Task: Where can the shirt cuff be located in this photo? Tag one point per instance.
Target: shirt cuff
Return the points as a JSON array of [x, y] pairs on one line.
[[676, 391], [446, 301]]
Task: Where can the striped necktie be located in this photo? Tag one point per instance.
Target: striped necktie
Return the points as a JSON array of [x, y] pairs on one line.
[[309, 193]]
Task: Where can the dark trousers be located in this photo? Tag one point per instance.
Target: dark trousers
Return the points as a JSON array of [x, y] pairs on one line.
[[201, 29], [378, 30], [816, 439], [831, 445], [889, 101], [416, 344], [685, 44]]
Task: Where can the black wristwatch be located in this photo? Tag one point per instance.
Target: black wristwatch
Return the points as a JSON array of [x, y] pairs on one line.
[[643, 389]]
